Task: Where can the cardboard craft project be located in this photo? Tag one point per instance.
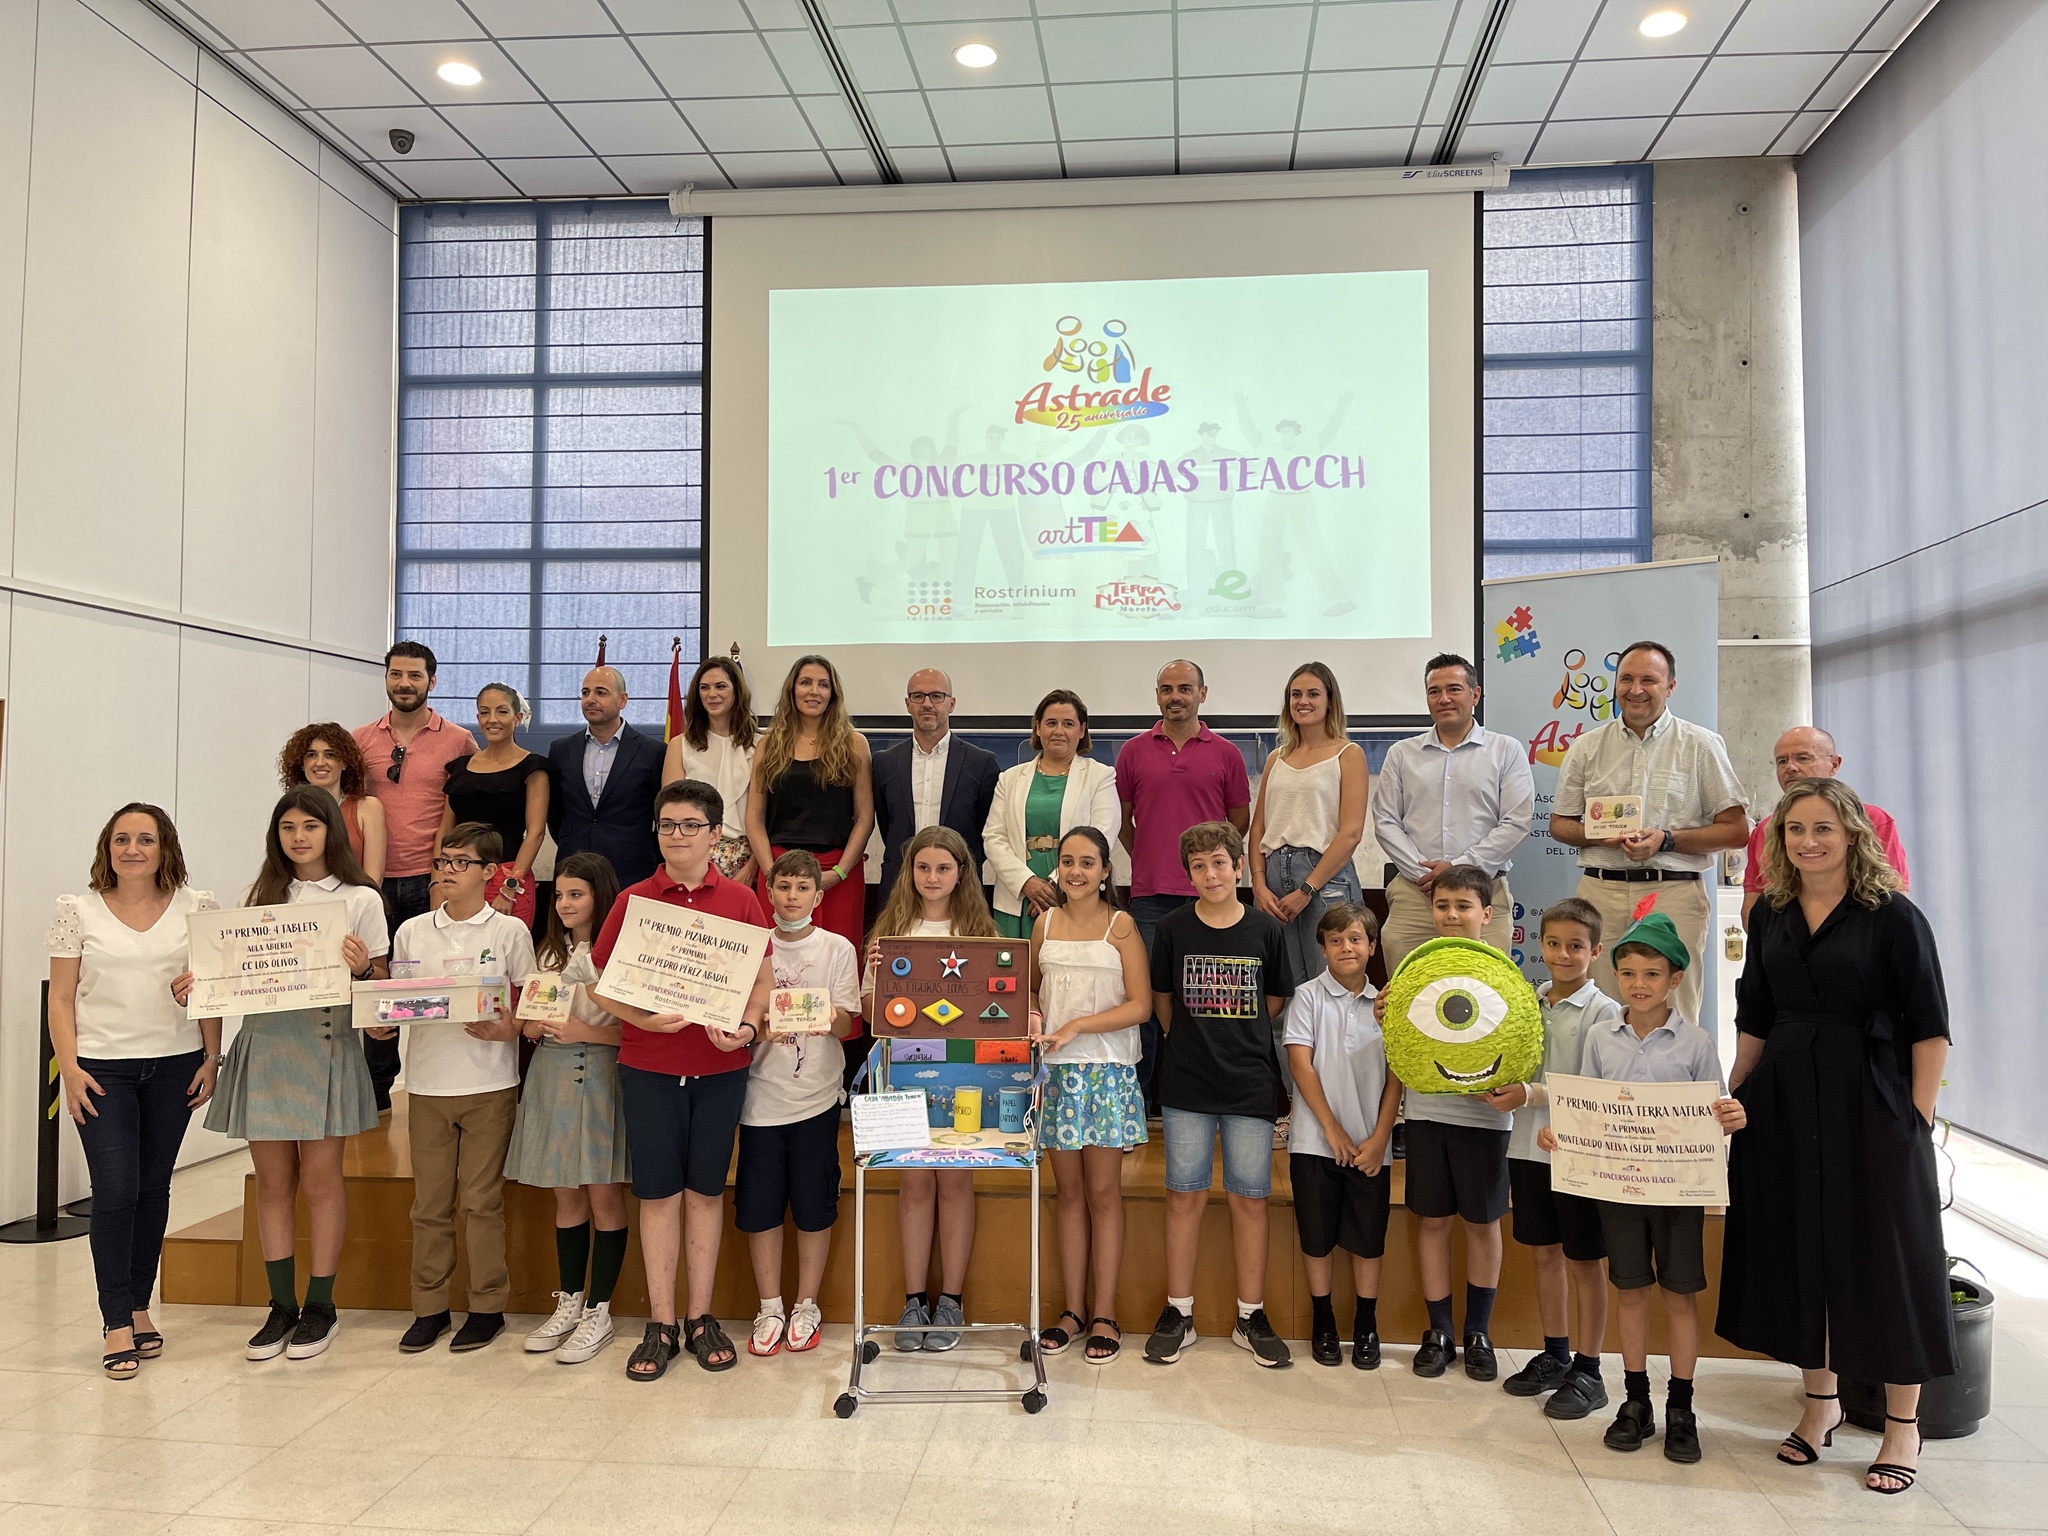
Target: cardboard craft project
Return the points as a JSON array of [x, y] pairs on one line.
[[975, 989], [429, 1000], [1461, 1019]]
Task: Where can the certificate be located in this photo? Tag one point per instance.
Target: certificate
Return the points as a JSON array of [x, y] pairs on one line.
[[1638, 1143], [1611, 816], [268, 959], [801, 1010], [545, 998], [673, 960], [889, 1122]]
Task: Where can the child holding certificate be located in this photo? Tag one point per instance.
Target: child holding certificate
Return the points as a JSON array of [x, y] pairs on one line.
[[294, 1084], [1660, 1245], [571, 1132], [937, 895]]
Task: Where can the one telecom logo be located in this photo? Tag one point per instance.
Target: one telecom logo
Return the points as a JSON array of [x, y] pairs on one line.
[[1125, 391]]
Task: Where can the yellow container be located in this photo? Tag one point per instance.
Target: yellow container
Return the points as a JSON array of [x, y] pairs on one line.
[[966, 1109]]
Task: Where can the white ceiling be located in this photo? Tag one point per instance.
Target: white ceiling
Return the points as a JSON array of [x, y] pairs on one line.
[[603, 97]]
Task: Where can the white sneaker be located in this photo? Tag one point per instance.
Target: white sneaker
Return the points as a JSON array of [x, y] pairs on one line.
[[549, 1335], [767, 1336], [591, 1335], [805, 1320]]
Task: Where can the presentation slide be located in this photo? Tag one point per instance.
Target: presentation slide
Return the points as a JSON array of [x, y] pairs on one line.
[[1199, 459]]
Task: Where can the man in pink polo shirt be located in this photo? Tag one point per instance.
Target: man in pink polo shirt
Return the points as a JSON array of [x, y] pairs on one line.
[[1808, 752], [1173, 776], [406, 755]]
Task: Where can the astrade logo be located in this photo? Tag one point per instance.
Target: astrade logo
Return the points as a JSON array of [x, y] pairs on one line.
[[1077, 361]]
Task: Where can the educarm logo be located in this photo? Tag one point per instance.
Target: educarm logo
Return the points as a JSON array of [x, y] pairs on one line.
[[1108, 359]]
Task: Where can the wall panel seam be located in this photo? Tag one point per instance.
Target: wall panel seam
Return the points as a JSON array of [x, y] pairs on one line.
[[180, 620]]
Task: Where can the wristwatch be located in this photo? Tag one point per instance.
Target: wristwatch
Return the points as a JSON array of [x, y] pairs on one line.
[[1670, 842]]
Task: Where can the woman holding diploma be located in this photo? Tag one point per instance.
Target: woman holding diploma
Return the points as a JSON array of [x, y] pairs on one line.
[[134, 1067], [571, 1135], [294, 1084], [506, 788], [327, 756], [813, 788], [1834, 1259]]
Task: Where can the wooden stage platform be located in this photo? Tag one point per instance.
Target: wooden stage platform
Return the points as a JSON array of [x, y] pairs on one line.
[[218, 1262]]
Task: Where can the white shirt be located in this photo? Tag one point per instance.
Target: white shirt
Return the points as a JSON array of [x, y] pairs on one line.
[[1680, 769], [1301, 803], [363, 904], [124, 1008], [727, 769], [1474, 803], [1350, 1056], [928, 780], [443, 1059], [793, 1080], [1566, 1024]]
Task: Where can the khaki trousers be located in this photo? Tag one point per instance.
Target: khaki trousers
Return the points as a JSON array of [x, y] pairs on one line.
[[1409, 925], [458, 1163], [1683, 901]]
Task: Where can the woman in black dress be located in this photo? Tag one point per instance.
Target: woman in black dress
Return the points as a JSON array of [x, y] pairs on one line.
[[505, 787], [1834, 1259]]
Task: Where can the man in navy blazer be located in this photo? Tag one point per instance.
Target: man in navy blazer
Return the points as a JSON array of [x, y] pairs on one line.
[[933, 779], [605, 777]]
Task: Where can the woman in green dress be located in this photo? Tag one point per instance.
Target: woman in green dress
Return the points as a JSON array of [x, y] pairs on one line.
[[1039, 801]]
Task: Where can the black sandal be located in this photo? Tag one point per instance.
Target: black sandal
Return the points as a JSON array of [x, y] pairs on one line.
[[1054, 1340], [149, 1345], [657, 1347], [1803, 1454], [704, 1338], [1902, 1477], [120, 1364], [1101, 1351]]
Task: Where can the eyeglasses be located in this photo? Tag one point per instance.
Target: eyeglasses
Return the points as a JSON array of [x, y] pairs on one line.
[[681, 828], [397, 764], [927, 698], [449, 866]]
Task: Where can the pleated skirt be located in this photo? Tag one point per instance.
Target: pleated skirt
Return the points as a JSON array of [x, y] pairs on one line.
[[295, 1076], [571, 1128]]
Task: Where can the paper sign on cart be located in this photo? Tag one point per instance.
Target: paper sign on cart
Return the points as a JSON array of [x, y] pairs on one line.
[[675, 960], [268, 959], [888, 1122], [1637, 1143]]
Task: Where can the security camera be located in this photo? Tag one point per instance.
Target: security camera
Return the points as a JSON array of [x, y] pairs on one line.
[[402, 140]]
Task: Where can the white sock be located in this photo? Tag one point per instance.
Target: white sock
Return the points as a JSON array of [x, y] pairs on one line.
[[772, 1304], [1185, 1305], [1246, 1308]]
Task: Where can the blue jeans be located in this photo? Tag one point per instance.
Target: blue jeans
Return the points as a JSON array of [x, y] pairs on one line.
[[1191, 1152], [1286, 869], [131, 1147], [1146, 911]]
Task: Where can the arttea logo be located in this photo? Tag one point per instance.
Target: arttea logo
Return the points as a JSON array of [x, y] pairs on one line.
[[1078, 360], [1093, 532], [1140, 598]]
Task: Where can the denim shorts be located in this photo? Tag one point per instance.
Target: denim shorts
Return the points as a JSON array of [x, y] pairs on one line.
[[1191, 1151]]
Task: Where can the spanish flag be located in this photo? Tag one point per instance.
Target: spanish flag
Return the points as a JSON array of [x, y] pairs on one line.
[[675, 691]]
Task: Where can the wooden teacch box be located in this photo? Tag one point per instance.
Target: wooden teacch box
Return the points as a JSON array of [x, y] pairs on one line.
[[974, 989]]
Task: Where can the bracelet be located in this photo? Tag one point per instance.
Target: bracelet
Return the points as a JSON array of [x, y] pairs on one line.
[[839, 870]]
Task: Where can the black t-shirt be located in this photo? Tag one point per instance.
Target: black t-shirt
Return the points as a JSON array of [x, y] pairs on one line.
[[1218, 1057]]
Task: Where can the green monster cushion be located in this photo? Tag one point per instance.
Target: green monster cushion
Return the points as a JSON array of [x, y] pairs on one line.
[[1460, 1019]]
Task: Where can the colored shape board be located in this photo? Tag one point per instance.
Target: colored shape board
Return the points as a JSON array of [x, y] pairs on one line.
[[972, 989]]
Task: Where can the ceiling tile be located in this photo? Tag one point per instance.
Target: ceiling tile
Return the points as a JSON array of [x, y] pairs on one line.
[[1354, 146], [416, 62], [1247, 104], [1800, 133], [336, 77], [803, 66], [856, 167], [585, 69], [1015, 43], [1140, 109], [1120, 157], [1510, 141], [1899, 17], [1391, 34], [578, 176], [1778, 82], [1244, 42], [910, 12], [854, 13], [542, 18], [1109, 47], [1012, 115], [770, 15], [1749, 133], [762, 123], [1005, 162], [1549, 32], [1443, 94], [269, 23], [1616, 138], [657, 174], [902, 118], [433, 138], [788, 169], [1518, 93], [631, 127], [1615, 34], [1626, 87], [516, 129], [713, 64], [405, 21], [1237, 152], [832, 122], [1366, 98], [877, 58], [1850, 72], [450, 178], [919, 164], [1801, 26], [681, 15]]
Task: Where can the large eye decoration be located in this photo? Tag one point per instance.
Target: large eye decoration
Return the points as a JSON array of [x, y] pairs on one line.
[[1457, 1010]]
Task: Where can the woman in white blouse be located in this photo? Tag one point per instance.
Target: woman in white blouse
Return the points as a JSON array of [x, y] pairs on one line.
[[1039, 802], [134, 1067], [717, 748]]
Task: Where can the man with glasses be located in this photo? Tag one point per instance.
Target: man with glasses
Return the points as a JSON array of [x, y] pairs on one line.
[[683, 1086], [407, 752], [933, 779], [605, 778]]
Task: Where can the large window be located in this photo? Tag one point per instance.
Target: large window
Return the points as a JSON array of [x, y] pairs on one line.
[[1565, 283], [551, 361]]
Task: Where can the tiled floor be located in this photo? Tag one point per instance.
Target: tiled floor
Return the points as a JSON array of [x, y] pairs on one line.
[[206, 1444]]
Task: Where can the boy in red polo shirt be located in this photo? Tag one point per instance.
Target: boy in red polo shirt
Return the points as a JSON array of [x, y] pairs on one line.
[[683, 1086]]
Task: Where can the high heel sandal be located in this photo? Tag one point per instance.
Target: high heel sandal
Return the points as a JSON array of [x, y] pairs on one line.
[[1803, 1454], [1903, 1477], [120, 1364], [149, 1345]]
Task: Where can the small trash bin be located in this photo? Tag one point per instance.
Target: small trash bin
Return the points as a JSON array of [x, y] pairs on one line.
[[1950, 1406]]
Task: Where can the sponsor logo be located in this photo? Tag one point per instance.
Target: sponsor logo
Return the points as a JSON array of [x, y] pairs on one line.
[[1141, 597], [928, 599], [1095, 531], [1232, 586], [1122, 387]]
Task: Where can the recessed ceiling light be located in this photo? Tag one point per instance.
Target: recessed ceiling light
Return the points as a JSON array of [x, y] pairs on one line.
[[975, 55], [455, 72], [1662, 24]]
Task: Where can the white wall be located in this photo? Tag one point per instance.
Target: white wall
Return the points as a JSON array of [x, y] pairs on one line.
[[196, 360]]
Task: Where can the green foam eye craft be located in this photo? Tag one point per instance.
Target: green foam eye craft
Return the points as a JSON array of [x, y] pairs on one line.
[[1460, 1019]]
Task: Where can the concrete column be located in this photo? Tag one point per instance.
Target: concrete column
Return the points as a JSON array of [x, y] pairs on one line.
[[1728, 467]]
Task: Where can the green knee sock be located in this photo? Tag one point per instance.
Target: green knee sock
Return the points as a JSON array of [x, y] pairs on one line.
[[320, 1291], [284, 1282], [572, 1255], [606, 1262]]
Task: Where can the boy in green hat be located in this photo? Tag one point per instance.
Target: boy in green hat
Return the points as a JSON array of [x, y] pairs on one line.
[[1655, 1245]]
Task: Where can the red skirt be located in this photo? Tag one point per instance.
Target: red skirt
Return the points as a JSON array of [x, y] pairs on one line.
[[844, 909]]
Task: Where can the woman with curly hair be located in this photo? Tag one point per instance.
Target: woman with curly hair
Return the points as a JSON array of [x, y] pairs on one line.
[[326, 756], [814, 788], [1833, 1258]]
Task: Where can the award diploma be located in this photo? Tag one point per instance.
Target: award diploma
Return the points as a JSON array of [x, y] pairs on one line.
[[673, 960], [1638, 1143], [268, 959]]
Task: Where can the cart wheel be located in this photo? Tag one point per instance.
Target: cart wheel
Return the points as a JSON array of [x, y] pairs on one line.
[[845, 1405], [868, 1350], [1024, 1351], [1034, 1401]]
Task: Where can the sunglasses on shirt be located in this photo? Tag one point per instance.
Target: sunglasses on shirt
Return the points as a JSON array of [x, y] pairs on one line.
[[397, 764]]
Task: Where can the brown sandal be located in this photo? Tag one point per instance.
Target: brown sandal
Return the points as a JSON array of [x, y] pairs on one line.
[[657, 1347], [704, 1338]]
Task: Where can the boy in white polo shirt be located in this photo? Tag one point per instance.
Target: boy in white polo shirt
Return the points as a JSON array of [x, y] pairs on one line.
[[462, 1095]]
